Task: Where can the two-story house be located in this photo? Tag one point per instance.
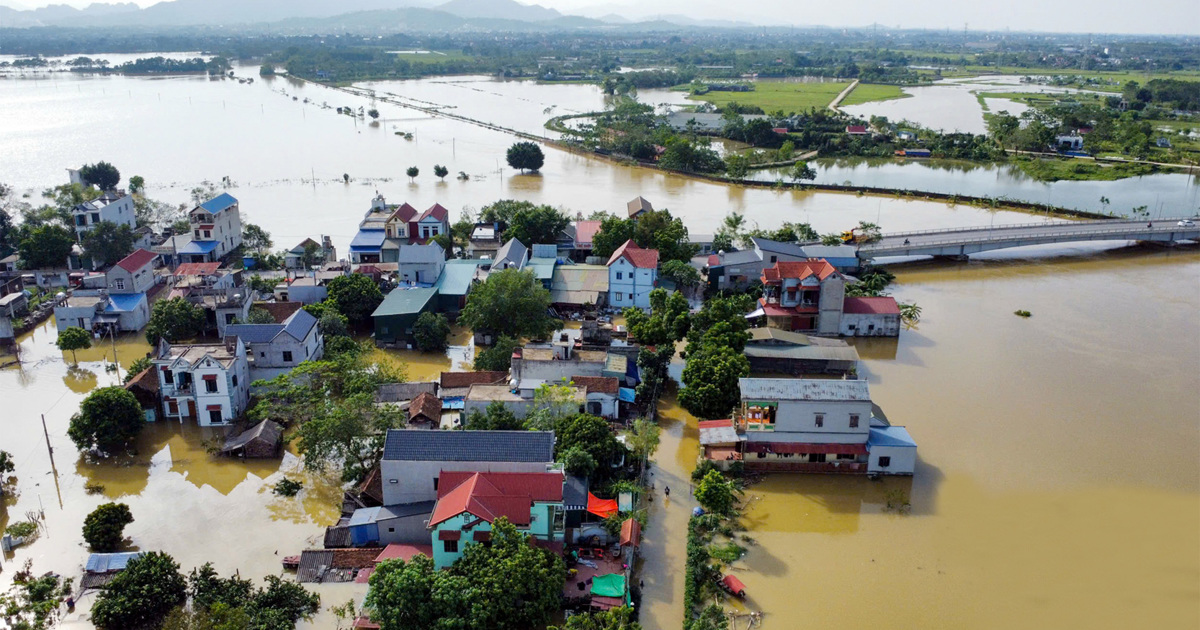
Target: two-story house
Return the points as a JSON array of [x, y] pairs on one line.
[[133, 273], [632, 275], [434, 221], [113, 206], [216, 230], [209, 383], [470, 502], [310, 253], [803, 296], [809, 425], [420, 264], [273, 349]]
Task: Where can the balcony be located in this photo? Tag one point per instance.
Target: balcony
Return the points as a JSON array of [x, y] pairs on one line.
[[827, 468]]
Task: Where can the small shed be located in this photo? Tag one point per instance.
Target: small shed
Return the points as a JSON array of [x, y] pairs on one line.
[[261, 440], [144, 387], [101, 568], [425, 411]]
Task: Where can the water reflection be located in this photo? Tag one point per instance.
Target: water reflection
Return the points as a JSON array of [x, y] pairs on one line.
[[80, 380]]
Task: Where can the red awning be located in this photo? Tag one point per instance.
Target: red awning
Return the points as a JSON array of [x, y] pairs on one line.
[[449, 535], [734, 585], [213, 408], [210, 377], [800, 447], [603, 508]]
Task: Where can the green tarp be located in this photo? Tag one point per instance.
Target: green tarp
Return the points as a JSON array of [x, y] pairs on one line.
[[611, 585]]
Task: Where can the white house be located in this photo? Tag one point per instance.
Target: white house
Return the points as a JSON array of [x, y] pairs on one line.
[[133, 273], [272, 349], [632, 274], [216, 230], [113, 206], [420, 264], [206, 382]]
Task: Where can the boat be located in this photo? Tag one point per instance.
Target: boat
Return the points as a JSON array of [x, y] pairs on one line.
[[291, 562], [734, 586]]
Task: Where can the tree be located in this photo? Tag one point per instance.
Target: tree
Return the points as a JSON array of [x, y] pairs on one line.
[[7, 465], [102, 175], [72, 339], [737, 166], [277, 607], [526, 156], [614, 231], [137, 185], [440, 171], [431, 331], [46, 247], [681, 273], [446, 242], [137, 367], [667, 322], [643, 438], [612, 619], [348, 435], [104, 528], [373, 113], [174, 320], [522, 584], [578, 462], [591, 435], [413, 595], [412, 173], [255, 238], [497, 358], [910, 314], [714, 493], [333, 324], [831, 239], [266, 70], [710, 381], [657, 229], [259, 315], [510, 303], [536, 224], [108, 242], [496, 417], [108, 420], [802, 171], [356, 296], [142, 595]]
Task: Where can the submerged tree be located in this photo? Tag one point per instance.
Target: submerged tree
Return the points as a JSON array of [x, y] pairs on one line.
[[104, 528], [73, 339]]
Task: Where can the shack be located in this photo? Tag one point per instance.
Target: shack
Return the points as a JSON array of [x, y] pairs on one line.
[[456, 281], [395, 317], [262, 440], [101, 568], [144, 387]]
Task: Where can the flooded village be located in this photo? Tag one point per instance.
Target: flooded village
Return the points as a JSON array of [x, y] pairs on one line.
[[568, 386]]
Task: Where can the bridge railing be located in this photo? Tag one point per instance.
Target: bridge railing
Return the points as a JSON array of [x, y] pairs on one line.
[[986, 236], [1018, 226]]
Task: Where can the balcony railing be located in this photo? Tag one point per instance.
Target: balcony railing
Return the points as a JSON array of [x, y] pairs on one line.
[[775, 465]]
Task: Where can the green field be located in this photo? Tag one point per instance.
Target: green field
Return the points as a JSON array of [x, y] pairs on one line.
[[867, 93], [788, 96]]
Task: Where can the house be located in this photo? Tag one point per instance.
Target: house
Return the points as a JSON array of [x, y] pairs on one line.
[[101, 568], [420, 264], [263, 440], [171, 249], [144, 387], [1068, 143], [484, 240], [79, 310], [367, 247], [601, 395], [133, 273], [413, 460], [382, 223], [128, 312], [730, 270], [469, 503], [216, 230], [702, 242], [401, 394], [455, 283], [434, 221], [272, 349], [307, 289], [585, 236], [814, 426], [537, 364], [577, 286], [1162, 143], [112, 206], [519, 400], [425, 412], [315, 253], [402, 524], [802, 297], [637, 206], [904, 134], [14, 304], [395, 316], [511, 255], [206, 382], [632, 274], [8, 264], [856, 130], [870, 317], [775, 351]]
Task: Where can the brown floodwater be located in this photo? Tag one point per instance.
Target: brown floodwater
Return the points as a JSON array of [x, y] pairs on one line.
[[1058, 481]]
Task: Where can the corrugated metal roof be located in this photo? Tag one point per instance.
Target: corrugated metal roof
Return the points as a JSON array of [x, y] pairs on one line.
[[580, 278], [404, 302], [219, 203], [124, 302], [457, 277], [430, 253], [199, 247], [543, 268], [368, 240], [804, 389], [890, 436], [814, 353], [108, 562], [779, 247], [513, 253], [469, 446]]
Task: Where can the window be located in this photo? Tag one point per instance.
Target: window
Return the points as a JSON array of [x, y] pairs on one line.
[[287, 357], [885, 461], [871, 328], [172, 408], [210, 385], [820, 420], [391, 530], [207, 233], [228, 318], [167, 377], [214, 416], [262, 355], [631, 296], [620, 276], [853, 421], [451, 546], [95, 217], [234, 380], [845, 456], [773, 258], [119, 284], [762, 455], [816, 458], [435, 481]]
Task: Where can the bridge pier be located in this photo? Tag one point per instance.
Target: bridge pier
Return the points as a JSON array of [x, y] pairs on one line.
[[952, 257]]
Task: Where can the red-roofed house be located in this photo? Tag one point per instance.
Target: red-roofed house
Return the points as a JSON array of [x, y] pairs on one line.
[[632, 274], [434, 221], [870, 317], [469, 502], [601, 394], [804, 296], [856, 130], [425, 411], [133, 273], [585, 234]]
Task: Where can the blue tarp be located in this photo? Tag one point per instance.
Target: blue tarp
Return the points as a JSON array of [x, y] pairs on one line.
[[453, 403], [199, 247], [627, 394], [124, 302], [367, 241]]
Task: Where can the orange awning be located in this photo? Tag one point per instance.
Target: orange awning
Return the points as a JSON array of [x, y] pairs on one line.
[[603, 508]]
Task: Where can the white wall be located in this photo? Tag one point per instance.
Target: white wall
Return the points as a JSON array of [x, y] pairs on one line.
[[870, 325], [904, 460]]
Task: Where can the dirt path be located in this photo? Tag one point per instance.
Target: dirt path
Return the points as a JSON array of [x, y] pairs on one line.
[[840, 97]]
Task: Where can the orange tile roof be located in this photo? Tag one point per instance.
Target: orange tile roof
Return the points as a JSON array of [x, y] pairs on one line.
[[136, 260], [798, 270], [492, 495], [638, 257], [425, 404], [598, 384]]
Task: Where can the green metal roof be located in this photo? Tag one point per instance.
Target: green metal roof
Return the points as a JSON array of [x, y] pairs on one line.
[[457, 276], [404, 302], [542, 267]]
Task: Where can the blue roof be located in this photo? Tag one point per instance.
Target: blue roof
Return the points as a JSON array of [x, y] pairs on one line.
[[543, 268], [890, 436], [199, 247], [457, 276], [219, 203], [362, 516], [124, 302], [367, 240], [108, 562], [299, 324], [627, 394]]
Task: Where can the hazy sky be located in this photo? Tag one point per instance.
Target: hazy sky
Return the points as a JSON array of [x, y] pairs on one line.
[[1094, 16]]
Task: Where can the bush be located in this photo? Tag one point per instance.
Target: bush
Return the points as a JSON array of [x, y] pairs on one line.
[[714, 493], [104, 528], [497, 358], [431, 332], [288, 488]]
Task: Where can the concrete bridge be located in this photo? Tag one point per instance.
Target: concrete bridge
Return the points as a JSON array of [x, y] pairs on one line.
[[961, 242]]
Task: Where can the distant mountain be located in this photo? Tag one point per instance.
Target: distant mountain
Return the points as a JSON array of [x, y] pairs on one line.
[[613, 18], [55, 14], [499, 9]]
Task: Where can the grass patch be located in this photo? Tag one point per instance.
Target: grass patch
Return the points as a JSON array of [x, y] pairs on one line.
[[1050, 170], [788, 96], [870, 92]]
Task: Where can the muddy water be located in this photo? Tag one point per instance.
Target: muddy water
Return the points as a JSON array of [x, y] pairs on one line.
[[1058, 482]]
